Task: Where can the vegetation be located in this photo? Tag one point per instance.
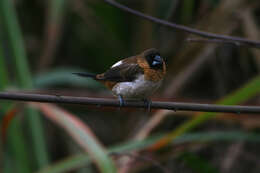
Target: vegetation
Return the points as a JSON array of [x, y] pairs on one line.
[[43, 42]]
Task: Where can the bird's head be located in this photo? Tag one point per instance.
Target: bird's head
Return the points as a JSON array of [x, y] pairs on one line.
[[153, 58]]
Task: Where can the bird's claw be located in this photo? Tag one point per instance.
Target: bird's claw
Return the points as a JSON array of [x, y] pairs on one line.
[[148, 102], [121, 101]]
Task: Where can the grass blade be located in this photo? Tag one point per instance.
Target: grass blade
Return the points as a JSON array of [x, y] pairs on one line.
[[15, 146], [16, 139], [81, 134], [10, 23], [250, 90], [3, 72], [80, 160], [55, 14]]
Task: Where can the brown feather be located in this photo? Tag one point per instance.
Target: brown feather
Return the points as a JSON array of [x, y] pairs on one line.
[[109, 84], [126, 72]]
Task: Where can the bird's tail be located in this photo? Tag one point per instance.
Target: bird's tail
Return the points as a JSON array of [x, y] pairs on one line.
[[85, 74]]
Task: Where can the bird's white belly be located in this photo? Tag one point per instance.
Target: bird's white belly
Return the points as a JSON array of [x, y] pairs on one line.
[[139, 88]]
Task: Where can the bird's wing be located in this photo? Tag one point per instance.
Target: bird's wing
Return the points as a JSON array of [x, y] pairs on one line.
[[124, 72]]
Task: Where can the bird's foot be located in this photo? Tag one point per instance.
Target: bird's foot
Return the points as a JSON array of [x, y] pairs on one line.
[[148, 102], [121, 101]]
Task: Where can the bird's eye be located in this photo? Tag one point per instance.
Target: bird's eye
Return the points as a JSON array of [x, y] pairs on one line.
[[157, 60]]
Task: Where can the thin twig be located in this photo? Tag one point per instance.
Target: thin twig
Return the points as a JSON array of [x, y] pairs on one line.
[[235, 40], [216, 41], [176, 106]]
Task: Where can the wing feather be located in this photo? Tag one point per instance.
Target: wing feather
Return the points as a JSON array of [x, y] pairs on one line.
[[124, 72]]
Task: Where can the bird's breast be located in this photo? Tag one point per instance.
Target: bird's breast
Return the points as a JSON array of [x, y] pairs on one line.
[[139, 88]]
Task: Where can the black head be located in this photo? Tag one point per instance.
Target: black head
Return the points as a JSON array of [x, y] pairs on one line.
[[154, 58]]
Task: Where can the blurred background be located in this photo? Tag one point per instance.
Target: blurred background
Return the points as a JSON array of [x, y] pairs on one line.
[[43, 42]]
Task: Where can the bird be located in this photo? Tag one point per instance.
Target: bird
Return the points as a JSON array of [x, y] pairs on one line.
[[135, 77]]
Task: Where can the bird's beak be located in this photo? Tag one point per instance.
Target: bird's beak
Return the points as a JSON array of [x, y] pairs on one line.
[[158, 58]]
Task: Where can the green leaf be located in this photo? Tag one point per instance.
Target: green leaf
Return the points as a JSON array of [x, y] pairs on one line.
[[250, 90]]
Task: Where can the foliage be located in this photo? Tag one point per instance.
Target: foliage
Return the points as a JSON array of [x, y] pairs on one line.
[[43, 42]]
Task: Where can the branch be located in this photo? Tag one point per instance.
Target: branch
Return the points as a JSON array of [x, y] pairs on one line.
[[176, 106], [234, 40], [216, 41]]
